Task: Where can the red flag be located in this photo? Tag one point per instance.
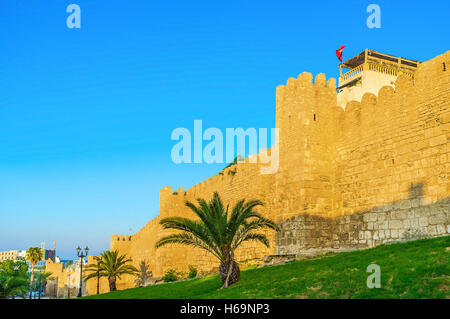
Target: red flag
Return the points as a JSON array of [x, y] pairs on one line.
[[339, 52]]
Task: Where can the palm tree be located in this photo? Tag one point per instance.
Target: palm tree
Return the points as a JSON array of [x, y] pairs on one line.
[[12, 285], [13, 278], [111, 266], [41, 281], [34, 255], [143, 274], [219, 232]]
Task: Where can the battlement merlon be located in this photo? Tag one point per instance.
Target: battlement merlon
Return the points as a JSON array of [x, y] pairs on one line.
[[116, 238]]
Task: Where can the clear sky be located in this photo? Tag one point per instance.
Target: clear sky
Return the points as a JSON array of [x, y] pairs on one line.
[[86, 114]]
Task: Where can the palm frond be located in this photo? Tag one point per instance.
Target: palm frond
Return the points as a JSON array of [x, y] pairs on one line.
[[254, 237], [111, 265], [247, 227], [191, 240], [218, 230]]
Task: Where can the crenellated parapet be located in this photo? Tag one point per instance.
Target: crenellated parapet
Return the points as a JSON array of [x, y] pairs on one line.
[[352, 175]]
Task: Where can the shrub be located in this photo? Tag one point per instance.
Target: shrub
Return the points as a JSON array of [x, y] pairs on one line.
[[192, 272], [170, 275]]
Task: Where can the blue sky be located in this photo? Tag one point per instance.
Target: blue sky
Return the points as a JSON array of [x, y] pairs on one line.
[[86, 114]]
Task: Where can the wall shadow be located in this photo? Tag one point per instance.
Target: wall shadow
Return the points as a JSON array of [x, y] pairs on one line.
[[402, 220]]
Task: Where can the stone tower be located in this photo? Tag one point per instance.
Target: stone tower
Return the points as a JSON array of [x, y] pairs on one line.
[[369, 72]]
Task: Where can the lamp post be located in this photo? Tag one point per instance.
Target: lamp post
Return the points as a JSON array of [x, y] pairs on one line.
[[81, 254], [99, 259]]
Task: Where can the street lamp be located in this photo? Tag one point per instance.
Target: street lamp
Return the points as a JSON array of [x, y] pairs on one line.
[[81, 254], [99, 260]]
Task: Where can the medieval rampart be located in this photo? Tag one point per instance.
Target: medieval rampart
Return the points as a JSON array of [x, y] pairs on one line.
[[374, 173]]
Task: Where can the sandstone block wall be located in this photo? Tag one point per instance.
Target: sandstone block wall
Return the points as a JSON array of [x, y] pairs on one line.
[[390, 168], [376, 172], [243, 180], [65, 281], [403, 220]]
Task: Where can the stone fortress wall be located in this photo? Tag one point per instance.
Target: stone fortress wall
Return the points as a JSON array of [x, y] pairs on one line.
[[65, 280], [375, 172]]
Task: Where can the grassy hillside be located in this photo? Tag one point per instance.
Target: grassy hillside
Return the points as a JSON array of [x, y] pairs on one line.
[[417, 269]]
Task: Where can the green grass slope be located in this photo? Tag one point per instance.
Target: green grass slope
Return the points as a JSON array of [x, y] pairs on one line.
[[416, 269]]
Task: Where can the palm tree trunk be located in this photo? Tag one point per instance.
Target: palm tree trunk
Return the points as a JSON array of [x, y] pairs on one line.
[[31, 279], [229, 273], [112, 283]]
